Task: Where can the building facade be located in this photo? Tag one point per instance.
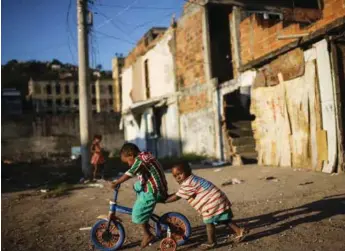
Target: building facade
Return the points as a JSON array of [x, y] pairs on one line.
[[11, 102], [59, 96], [261, 81]]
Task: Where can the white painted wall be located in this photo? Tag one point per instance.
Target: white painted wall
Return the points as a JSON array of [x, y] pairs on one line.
[[127, 76], [161, 67], [198, 133]]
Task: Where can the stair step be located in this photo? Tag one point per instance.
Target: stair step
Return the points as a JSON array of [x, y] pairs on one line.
[[245, 148], [247, 140], [242, 124], [249, 157], [240, 133]]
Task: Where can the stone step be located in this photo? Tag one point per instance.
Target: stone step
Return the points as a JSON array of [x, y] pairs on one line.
[[246, 140], [249, 157], [244, 124], [245, 148], [240, 133]]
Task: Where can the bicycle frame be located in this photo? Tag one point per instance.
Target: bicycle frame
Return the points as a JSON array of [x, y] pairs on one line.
[[114, 208]]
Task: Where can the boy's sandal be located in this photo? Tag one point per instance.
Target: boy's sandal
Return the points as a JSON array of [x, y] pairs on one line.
[[207, 246]]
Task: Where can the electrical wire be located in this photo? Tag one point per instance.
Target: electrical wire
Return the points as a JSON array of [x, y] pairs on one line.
[[118, 14], [69, 33]]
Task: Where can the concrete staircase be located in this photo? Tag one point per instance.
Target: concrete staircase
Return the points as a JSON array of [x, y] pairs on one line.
[[242, 138]]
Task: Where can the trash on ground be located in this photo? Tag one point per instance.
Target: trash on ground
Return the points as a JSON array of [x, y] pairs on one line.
[[306, 183], [272, 178], [81, 180], [84, 228], [218, 163], [233, 181], [334, 174], [44, 190], [217, 170], [96, 185]]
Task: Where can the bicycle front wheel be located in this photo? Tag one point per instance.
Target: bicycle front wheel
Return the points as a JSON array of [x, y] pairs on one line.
[[108, 240]]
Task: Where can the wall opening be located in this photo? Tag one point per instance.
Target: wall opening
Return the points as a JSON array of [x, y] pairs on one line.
[[147, 79], [49, 89], [220, 42], [57, 88], [238, 124]]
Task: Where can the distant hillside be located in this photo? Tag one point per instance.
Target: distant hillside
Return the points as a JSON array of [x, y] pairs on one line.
[[16, 74]]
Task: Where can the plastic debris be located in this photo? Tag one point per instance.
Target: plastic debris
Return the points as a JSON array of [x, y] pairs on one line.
[[218, 163], [96, 185], [44, 190], [306, 183], [217, 170], [233, 181], [272, 178], [84, 228]]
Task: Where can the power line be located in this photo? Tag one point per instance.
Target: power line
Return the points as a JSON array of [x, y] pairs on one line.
[[111, 36], [114, 24], [117, 14], [137, 7], [69, 32]]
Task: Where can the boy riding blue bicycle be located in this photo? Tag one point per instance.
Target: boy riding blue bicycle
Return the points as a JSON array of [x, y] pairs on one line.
[[151, 188]]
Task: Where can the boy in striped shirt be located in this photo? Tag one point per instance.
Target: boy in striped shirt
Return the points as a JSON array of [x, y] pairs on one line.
[[207, 199], [151, 187]]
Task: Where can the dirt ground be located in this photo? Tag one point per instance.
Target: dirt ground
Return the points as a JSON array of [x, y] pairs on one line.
[[293, 210]]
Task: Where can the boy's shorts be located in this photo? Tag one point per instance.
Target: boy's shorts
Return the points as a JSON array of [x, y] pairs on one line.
[[143, 206], [225, 217]]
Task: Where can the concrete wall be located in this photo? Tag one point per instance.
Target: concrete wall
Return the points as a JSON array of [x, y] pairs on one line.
[[258, 37], [35, 137], [127, 83], [198, 120], [161, 67]]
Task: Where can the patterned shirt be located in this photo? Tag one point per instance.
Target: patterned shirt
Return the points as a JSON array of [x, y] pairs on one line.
[[203, 196], [151, 174]]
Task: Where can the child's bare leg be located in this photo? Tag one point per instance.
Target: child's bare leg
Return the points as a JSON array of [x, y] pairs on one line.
[[235, 228], [240, 232], [148, 237], [211, 233], [95, 169]]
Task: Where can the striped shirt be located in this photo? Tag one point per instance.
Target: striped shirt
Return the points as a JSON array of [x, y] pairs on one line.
[[203, 196], [151, 174]]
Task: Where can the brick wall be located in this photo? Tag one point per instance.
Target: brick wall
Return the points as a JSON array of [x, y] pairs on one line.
[[189, 48], [258, 37], [35, 137], [193, 102]]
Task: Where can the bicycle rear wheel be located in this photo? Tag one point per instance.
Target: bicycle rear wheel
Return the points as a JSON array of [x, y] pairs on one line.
[[179, 226]]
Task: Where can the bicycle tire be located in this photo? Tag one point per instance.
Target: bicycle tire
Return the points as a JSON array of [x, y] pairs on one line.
[[182, 225], [96, 238]]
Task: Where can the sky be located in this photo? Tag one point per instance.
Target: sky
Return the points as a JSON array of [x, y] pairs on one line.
[[47, 29]]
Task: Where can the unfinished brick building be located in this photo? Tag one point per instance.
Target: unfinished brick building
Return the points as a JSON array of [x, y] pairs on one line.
[[263, 81]]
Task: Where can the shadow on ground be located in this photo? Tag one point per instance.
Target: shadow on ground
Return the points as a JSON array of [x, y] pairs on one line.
[[312, 212]]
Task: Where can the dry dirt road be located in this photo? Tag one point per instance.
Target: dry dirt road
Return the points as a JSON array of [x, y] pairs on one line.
[[296, 210]]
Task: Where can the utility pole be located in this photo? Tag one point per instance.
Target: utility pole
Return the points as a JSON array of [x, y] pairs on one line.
[[84, 88]]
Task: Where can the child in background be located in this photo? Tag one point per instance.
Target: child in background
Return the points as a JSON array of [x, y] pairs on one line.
[[151, 188], [97, 159], [208, 200]]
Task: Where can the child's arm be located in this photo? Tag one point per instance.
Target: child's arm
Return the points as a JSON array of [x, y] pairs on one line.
[[172, 198], [122, 179]]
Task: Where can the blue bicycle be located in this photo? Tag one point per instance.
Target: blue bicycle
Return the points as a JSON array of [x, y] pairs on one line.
[[109, 234]]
